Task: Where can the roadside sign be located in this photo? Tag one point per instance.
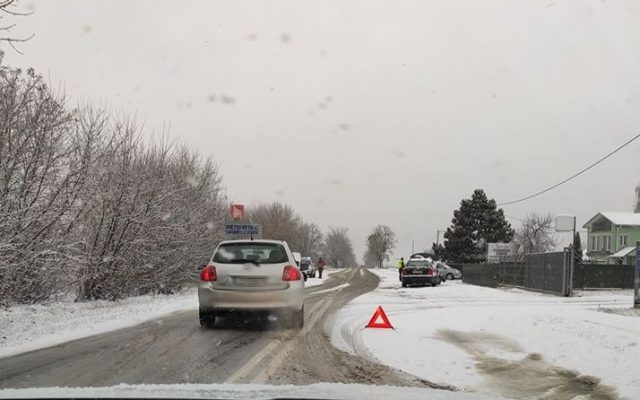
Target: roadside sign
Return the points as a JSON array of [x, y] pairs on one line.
[[237, 211], [497, 252], [243, 229], [379, 320], [565, 223]]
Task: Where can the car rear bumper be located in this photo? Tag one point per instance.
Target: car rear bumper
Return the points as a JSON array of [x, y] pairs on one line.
[[418, 279], [247, 300]]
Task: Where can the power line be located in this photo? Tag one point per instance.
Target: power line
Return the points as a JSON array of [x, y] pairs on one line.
[[574, 175], [514, 218]]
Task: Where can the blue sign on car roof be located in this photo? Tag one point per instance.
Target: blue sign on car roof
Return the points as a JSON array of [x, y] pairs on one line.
[[241, 229]]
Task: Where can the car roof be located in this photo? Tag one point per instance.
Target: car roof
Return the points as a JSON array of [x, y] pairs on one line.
[[253, 241]]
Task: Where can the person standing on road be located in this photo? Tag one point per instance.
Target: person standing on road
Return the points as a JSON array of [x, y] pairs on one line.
[[320, 265], [400, 268]]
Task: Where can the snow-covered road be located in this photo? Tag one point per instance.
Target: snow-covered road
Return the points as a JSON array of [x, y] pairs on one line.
[[461, 335]]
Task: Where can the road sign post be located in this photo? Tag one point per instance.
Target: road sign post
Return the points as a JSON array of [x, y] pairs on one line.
[[636, 286]]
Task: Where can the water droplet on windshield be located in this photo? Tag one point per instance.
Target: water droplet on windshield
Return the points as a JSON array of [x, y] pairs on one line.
[[285, 38], [228, 99]]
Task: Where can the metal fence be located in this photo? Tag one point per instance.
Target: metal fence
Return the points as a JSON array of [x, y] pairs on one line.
[[545, 272], [599, 276], [549, 273], [481, 274]]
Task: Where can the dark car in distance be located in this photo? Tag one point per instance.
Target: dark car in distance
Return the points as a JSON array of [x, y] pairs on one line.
[[421, 271]]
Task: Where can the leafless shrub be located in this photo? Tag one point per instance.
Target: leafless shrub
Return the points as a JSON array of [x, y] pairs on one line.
[[85, 204], [44, 163]]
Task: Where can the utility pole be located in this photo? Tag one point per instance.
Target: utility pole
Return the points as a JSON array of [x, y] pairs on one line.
[[412, 247], [636, 286], [438, 237], [573, 256], [567, 223]]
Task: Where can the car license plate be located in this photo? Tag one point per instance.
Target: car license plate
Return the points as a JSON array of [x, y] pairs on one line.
[[247, 281]]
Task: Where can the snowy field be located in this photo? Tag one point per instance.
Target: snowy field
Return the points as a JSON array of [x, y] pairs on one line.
[[460, 334], [25, 328]]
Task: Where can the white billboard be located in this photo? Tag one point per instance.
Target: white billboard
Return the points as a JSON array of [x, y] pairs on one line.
[[497, 252], [565, 223]]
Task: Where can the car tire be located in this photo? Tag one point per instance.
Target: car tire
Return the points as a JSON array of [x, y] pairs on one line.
[[296, 319], [450, 277], [207, 319], [404, 284]]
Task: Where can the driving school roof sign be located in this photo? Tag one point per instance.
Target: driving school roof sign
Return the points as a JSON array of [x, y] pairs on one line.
[[251, 230]]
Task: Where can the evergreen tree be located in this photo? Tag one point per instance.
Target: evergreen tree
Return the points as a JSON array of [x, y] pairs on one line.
[[477, 222], [439, 251], [578, 254]]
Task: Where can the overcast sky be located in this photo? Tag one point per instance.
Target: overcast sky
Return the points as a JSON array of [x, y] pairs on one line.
[[360, 113]]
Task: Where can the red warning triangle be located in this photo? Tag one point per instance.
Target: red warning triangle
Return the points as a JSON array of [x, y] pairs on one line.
[[379, 315]]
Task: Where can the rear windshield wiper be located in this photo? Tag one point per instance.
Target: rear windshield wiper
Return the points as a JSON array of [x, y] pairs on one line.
[[244, 261]]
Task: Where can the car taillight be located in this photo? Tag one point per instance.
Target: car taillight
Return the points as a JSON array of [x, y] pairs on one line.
[[208, 274], [404, 271], [291, 273], [429, 271]]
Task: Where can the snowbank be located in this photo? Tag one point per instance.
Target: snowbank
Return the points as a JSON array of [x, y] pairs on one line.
[[244, 391], [26, 328], [506, 324]]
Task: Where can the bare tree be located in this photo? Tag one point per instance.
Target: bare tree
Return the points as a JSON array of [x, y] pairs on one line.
[[370, 260], [309, 240], [8, 8], [380, 242], [536, 235], [338, 249], [279, 221]]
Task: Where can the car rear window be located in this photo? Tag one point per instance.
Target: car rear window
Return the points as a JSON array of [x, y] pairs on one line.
[[261, 253], [419, 263]]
